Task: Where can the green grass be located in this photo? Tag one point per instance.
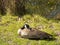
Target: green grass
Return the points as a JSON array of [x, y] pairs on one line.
[[9, 25]]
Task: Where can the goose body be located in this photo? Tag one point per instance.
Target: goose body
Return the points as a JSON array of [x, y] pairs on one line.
[[32, 33]]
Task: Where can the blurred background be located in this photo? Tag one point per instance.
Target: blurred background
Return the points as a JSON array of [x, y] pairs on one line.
[[46, 8]]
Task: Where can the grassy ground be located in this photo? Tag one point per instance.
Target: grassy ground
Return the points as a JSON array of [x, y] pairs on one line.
[[9, 25]]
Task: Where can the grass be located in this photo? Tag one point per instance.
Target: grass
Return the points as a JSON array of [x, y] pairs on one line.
[[9, 25]]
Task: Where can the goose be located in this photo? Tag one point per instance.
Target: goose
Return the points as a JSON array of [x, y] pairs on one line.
[[32, 33]]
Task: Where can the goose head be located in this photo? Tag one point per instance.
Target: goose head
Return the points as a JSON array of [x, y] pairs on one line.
[[26, 26], [24, 30]]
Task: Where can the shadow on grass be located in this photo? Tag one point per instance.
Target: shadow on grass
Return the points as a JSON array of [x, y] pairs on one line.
[[52, 39]]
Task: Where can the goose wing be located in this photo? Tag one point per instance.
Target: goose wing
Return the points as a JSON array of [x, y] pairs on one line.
[[39, 34]]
